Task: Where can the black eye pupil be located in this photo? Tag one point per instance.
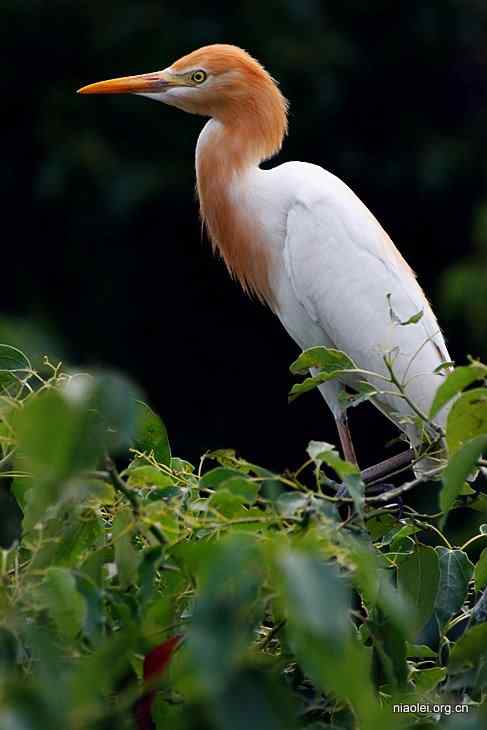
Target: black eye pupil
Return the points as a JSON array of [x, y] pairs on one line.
[[199, 76]]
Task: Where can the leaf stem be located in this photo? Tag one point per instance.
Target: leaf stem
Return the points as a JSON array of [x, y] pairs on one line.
[[472, 540], [408, 400], [120, 486], [427, 526], [458, 619]]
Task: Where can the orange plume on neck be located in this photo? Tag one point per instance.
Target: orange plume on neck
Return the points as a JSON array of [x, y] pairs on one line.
[[251, 122]]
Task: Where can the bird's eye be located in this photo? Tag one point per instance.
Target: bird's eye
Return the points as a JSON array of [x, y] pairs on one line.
[[198, 77]]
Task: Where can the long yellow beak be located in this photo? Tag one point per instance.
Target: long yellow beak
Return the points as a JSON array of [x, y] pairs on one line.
[[141, 84]]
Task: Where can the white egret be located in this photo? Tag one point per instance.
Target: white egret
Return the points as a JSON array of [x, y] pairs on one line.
[[296, 236]]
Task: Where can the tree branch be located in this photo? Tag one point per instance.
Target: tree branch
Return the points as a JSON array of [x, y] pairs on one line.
[[383, 468]]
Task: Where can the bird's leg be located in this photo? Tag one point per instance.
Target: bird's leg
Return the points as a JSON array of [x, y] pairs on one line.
[[346, 438], [377, 471], [349, 454]]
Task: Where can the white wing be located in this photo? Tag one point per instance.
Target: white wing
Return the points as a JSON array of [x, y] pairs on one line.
[[342, 267]]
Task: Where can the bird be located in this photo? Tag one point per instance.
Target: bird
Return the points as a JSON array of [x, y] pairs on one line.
[[296, 237]]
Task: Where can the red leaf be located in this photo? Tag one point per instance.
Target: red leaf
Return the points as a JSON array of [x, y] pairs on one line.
[[155, 663]]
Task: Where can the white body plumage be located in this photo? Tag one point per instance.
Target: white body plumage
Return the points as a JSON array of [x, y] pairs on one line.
[[334, 267]]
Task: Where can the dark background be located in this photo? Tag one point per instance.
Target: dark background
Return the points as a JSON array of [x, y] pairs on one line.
[[102, 257]]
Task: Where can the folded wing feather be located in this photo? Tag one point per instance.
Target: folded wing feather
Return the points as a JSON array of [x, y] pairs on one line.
[[353, 282]]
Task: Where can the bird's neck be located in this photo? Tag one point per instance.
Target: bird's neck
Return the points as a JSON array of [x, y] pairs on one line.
[[227, 151]]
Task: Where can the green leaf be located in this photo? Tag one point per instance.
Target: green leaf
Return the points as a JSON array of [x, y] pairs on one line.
[[167, 493], [226, 503], [467, 490], [447, 365], [92, 567], [418, 576], [380, 525], [229, 458], [470, 648], [480, 573], [148, 476], [252, 699], [455, 573], [181, 465], [58, 594], [467, 418], [115, 399], [14, 364], [389, 649], [246, 489], [8, 651], [455, 382], [413, 319], [364, 392], [317, 600], [110, 400], [127, 557], [20, 487], [95, 675], [57, 437], [328, 361], [374, 582], [356, 489], [322, 452], [70, 539], [400, 531], [150, 561], [64, 432], [226, 613], [395, 317], [94, 621], [460, 465], [151, 434], [291, 504], [56, 442], [316, 450], [311, 383], [479, 504], [309, 584], [345, 672], [325, 358], [420, 651], [217, 476], [94, 492], [426, 680], [162, 610]]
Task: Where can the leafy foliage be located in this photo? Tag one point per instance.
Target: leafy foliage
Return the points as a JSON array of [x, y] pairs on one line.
[[303, 599]]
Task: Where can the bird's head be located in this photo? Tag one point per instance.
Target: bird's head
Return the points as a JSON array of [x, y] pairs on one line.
[[217, 81]]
